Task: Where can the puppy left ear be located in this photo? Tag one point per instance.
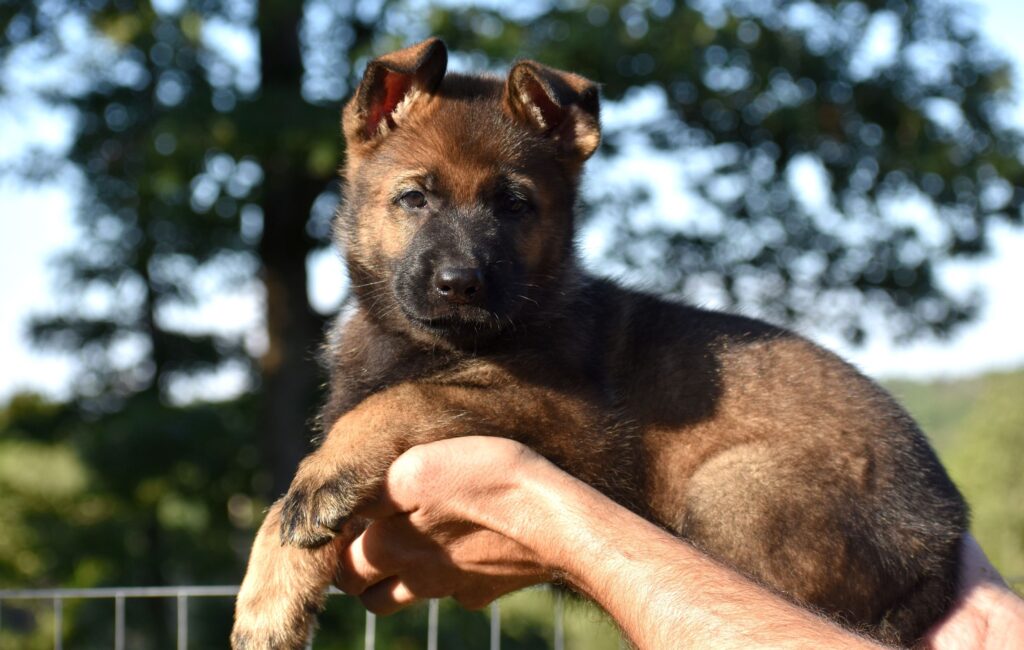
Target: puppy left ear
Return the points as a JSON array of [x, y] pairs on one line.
[[391, 85], [560, 105]]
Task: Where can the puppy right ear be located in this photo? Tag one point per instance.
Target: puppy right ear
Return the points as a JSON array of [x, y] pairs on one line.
[[559, 105], [391, 85]]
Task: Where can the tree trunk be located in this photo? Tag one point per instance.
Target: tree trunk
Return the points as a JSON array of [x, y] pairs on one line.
[[290, 372]]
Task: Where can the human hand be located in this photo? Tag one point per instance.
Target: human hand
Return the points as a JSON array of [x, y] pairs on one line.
[[986, 615], [444, 525]]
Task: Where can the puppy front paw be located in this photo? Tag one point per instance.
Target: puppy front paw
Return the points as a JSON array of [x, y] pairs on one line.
[[317, 507], [262, 624]]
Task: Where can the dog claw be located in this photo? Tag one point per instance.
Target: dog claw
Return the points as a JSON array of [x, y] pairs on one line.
[[333, 524]]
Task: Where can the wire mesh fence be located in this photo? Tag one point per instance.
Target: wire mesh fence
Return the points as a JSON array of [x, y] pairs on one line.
[[184, 593]]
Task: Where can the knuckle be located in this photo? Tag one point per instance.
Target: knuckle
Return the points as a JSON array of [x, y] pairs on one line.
[[349, 578], [385, 544], [472, 600], [414, 465], [384, 531], [512, 453], [377, 606], [350, 584], [425, 586]]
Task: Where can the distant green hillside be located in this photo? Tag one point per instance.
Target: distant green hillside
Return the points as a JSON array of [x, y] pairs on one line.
[[977, 425]]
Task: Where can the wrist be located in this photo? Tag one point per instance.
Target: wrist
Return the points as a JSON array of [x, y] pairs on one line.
[[560, 520]]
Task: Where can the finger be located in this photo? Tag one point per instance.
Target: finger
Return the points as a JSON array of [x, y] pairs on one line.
[[382, 505], [388, 596], [386, 548], [475, 598], [372, 557], [975, 567]]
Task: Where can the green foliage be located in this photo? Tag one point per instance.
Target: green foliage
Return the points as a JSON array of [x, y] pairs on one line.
[[148, 495], [978, 428], [939, 407]]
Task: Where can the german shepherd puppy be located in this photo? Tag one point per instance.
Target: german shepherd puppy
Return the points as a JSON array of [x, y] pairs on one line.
[[471, 315]]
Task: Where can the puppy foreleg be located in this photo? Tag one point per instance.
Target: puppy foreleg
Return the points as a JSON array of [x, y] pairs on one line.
[[283, 590], [349, 467]]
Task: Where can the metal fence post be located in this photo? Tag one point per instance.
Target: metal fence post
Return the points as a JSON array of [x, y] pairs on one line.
[[370, 638], [432, 614], [119, 621], [182, 621], [495, 626], [559, 621], [58, 623]]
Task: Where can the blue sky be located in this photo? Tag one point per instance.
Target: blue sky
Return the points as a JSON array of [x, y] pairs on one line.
[[36, 223]]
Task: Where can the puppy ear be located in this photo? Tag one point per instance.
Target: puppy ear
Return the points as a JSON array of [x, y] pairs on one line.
[[391, 85], [560, 105]]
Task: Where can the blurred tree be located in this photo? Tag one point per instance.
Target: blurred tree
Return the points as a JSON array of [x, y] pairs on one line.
[[199, 167], [833, 153]]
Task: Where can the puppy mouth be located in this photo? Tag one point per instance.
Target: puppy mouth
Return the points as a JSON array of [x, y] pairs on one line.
[[455, 321], [461, 321]]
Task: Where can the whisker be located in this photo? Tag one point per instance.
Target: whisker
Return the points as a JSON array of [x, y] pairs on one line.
[[368, 284]]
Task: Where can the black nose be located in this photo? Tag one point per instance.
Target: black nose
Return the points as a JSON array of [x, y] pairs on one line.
[[460, 286]]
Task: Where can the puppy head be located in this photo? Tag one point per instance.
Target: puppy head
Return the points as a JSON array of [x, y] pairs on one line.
[[459, 190]]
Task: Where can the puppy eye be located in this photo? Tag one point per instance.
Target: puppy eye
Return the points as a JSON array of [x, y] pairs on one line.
[[413, 200], [512, 203]]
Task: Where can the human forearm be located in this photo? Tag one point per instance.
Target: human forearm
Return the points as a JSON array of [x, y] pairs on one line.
[[661, 591]]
